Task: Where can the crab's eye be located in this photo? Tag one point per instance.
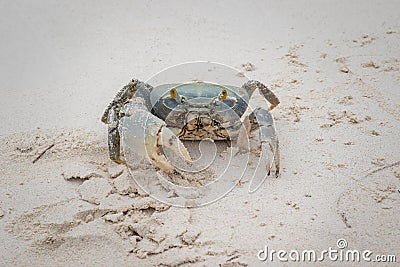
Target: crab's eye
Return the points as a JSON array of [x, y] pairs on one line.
[[173, 93], [224, 94]]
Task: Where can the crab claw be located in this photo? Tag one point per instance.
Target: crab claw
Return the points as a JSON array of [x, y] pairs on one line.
[[145, 135], [164, 149], [262, 119]]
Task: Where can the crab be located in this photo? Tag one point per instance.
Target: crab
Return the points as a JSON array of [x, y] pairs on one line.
[[160, 117]]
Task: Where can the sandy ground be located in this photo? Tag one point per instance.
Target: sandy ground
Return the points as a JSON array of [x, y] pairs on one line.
[[334, 65]]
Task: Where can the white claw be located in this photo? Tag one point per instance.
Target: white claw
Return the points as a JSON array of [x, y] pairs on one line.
[[163, 147], [145, 135]]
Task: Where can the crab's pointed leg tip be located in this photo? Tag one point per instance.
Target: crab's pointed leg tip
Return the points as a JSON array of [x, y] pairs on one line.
[[269, 173]]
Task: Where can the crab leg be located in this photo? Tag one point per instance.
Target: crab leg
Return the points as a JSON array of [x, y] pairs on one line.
[[252, 85], [114, 137], [262, 120], [143, 134]]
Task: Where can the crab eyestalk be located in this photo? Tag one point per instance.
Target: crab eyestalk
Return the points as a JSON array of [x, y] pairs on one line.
[[173, 93], [224, 94]]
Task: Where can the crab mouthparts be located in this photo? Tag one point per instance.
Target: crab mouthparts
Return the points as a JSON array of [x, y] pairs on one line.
[[199, 127]]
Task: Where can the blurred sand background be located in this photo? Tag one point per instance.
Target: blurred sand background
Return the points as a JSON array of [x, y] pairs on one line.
[[335, 66]]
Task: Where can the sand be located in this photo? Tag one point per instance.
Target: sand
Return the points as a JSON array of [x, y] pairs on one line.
[[335, 66]]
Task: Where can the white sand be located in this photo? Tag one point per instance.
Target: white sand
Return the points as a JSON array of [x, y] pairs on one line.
[[335, 67]]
